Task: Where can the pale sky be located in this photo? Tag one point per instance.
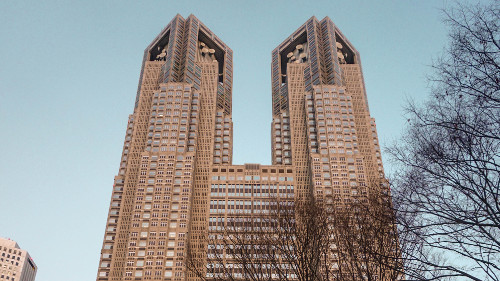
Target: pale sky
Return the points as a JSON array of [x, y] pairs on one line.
[[68, 78]]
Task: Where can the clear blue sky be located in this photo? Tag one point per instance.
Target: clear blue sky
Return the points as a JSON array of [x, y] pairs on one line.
[[68, 79]]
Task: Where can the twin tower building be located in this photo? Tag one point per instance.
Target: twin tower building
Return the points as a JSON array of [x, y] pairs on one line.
[[177, 182]]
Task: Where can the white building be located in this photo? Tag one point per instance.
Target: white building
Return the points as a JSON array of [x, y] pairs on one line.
[[15, 263]]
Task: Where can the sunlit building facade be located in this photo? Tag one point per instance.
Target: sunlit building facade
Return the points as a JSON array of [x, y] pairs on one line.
[[16, 264], [176, 181]]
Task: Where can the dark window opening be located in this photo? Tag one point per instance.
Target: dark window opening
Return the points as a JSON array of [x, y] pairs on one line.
[[157, 50]]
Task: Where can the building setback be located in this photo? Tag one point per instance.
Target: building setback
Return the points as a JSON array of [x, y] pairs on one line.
[[176, 180], [15, 263]]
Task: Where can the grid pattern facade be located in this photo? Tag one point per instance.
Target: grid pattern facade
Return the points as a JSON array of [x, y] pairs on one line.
[[240, 198], [15, 263], [176, 184], [320, 111]]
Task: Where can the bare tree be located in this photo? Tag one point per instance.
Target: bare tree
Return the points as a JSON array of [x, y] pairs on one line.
[[290, 242], [447, 186], [307, 241], [366, 240]]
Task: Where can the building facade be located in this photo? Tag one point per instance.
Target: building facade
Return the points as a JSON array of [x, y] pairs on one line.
[[176, 181], [15, 263]]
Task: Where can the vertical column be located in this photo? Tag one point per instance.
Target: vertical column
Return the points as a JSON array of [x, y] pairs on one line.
[[228, 82], [298, 129], [171, 69], [204, 152], [355, 87]]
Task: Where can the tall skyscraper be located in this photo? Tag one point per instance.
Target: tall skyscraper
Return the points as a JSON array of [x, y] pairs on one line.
[[176, 181], [15, 263]]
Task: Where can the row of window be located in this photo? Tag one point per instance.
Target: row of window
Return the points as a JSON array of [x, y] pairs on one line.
[[252, 178]]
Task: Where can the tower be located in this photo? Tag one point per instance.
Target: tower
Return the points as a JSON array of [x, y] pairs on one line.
[[181, 125], [176, 182], [321, 120]]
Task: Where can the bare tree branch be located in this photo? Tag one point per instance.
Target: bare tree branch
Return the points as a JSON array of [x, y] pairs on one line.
[[446, 190]]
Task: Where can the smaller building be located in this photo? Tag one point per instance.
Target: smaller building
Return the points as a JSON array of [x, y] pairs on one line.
[[15, 263]]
